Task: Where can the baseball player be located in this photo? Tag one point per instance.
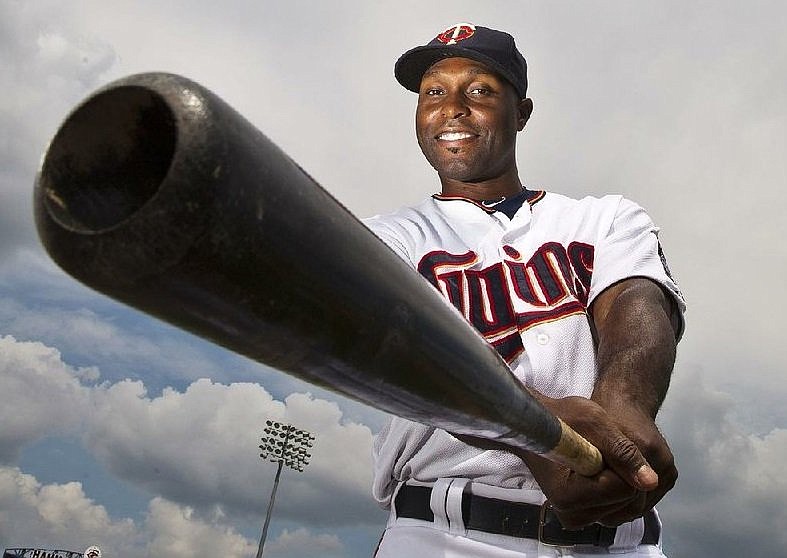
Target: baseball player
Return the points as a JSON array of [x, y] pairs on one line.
[[574, 294]]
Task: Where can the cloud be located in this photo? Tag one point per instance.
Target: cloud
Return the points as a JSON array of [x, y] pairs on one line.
[[177, 532], [49, 62], [300, 542], [199, 448], [62, 516], [57, 516], [730, 497], [42, 396], [95, 336], [38, 302]]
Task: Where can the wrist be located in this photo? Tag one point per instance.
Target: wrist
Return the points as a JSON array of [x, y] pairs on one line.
[[617, 401]]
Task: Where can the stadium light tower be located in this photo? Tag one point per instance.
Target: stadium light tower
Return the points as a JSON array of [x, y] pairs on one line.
[[286, 445]]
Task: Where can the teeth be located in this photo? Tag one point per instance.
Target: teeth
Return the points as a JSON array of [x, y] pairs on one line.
[[453, 136]]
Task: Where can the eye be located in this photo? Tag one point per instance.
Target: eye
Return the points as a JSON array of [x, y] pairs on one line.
[[479, 90], [432, 91]]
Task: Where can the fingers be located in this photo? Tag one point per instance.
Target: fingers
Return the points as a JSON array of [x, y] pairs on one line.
[[624, 457], [660, 456], [579, 500], [582, 500], [620, 452], [656, 474], [667, 480], [654, 448], [639, 471], [639, 467]]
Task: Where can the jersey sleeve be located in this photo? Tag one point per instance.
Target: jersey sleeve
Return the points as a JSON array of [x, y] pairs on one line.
[[389, 236], [630, 247]]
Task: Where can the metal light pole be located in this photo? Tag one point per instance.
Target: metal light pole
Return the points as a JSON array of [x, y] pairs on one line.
[[286, 445]]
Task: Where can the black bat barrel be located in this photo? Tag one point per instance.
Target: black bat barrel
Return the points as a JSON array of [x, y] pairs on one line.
[[158, 194]]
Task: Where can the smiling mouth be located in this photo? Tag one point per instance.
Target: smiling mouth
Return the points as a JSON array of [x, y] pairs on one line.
[[454, 136]]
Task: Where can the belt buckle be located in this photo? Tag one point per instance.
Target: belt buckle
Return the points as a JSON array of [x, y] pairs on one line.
[[543, 537]]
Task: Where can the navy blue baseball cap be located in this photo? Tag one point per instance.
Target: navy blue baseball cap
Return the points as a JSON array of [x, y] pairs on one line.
[[492, 48]]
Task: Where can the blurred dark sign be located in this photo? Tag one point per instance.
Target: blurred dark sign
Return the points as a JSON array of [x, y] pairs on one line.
[[40, 553]]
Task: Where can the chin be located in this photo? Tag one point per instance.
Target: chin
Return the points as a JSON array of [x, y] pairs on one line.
[[456, 169], [460, 174]]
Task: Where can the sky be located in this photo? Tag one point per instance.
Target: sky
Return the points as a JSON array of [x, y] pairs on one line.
[[121, 431]]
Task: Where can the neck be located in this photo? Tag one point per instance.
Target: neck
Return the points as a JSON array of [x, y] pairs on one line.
[[506, 185]]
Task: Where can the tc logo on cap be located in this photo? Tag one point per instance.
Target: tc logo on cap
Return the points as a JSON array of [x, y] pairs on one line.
[[456, 33]]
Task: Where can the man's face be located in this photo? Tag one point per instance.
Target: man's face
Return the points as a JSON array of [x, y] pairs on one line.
[[467, 120]]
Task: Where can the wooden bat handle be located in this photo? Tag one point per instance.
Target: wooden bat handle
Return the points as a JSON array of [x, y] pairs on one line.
[[576, 452]]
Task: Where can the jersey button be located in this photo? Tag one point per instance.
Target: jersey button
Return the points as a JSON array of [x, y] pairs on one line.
[[542, 338]]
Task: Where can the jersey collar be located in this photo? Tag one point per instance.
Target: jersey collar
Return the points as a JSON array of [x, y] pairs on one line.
[[531, 197]]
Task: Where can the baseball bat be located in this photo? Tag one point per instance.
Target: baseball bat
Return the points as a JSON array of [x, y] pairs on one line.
[[158, 194]]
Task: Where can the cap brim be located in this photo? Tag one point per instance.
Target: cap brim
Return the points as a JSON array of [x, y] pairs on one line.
[[412, 65]]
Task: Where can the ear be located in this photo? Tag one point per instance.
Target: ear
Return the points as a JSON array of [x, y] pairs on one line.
[[525, 110]]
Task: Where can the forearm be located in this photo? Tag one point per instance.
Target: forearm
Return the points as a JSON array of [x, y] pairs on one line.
[[635, 326]]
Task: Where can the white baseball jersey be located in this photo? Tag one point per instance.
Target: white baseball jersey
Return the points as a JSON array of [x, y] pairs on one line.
[[525, 283]]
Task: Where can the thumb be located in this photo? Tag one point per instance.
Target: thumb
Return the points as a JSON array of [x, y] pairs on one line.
[[623, 457]]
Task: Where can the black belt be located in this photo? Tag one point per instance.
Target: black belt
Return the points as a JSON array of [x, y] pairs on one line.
[[516, 519]]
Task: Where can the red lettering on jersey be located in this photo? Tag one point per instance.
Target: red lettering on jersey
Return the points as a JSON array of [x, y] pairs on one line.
[[552, 270], [524, 281], [446, 272], [581, 257], [555, 280], [491, 311]]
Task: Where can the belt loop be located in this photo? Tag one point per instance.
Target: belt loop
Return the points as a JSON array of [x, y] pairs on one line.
[[628, 536], [453, 507], [437, 503]]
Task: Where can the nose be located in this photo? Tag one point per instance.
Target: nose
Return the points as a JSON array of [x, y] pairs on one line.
[[454, 106]]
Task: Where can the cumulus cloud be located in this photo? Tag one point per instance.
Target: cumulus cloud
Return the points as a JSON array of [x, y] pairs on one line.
[[33, 514], [57, 516], [175, 531], [199, 447], [41, 395], [63, 516]]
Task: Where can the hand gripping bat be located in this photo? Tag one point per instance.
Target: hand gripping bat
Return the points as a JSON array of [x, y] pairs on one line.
[[158, 194]]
